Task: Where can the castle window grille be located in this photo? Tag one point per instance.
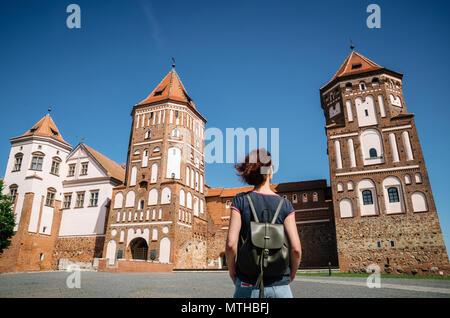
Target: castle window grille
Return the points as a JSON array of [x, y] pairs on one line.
[[373, 153], [393, 195], [367, 197]]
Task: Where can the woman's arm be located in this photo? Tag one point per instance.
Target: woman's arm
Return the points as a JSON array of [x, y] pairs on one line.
[[295, 248], [232, 242]]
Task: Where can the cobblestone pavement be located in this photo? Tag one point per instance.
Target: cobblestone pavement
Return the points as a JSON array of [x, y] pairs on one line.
[[203, 285]]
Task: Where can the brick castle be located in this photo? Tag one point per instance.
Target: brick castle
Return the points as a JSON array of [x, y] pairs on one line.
[[74, 205]]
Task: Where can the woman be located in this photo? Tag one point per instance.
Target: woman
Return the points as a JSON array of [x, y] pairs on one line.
[[257, 170]]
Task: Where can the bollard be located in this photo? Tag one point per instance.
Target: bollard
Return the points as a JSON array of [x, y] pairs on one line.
[[329, 268]]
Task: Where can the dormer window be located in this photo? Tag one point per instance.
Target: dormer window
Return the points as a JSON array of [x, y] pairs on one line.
[[32, 130], [159, 93], [356, 66], [54, 132]]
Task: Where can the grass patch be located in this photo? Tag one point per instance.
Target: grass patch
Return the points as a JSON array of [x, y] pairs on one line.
[[366, 275]]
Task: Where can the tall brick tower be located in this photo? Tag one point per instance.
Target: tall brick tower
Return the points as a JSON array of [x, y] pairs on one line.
[[383, 203], [159, 215]]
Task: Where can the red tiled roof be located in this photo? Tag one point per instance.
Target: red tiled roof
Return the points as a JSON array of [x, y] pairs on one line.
[[280, 187], [170, 88], [114, 169], [355, 63], [45, 128]]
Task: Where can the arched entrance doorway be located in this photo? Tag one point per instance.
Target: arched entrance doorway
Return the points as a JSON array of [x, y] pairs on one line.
[[139, 248]]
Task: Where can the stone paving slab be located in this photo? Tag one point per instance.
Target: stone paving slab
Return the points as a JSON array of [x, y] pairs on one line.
[[204, 285]]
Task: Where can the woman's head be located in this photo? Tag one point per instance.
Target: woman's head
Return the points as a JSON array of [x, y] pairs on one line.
[[256, 168]]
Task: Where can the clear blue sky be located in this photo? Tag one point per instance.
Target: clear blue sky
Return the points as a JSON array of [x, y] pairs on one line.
[[245, 64]]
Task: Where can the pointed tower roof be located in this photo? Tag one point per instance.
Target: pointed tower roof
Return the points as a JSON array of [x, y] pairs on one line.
[[45, 128], [170, 88], [355, 63]]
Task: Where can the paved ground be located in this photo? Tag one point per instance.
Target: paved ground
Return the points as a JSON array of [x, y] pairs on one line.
[[195, 285]]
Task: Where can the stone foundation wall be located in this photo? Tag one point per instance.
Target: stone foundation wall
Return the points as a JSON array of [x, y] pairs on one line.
[[418, 244], [78, 249]]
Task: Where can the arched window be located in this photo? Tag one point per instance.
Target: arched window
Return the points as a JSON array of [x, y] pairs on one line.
[[173, 163], [418, 177], [154, 173], [133, 177], [118, 201], [189, 200], [340, 187], [156, 149], [407, 179], [13, 192], [350, 186], [187, 176], [372, 147], [148, 134], [362, 86], [182, 197], [145, 159], [141, 205], [315, 197], [305, 197], [393, 195], [166, 195], [131, 197], [346, 208], [366, 111], [175, 133], [18, 161], [367, 197], [153, 197], [419, 202]]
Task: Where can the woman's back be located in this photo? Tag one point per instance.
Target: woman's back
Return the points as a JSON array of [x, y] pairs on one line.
[[261, 202]]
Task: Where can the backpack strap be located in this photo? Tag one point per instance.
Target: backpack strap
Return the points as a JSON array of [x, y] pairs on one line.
[[278, 210], [252, 207]]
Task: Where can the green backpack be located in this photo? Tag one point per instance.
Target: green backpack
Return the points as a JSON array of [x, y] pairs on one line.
[[264, 251]]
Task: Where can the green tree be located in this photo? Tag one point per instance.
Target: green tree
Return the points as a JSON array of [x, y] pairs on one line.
[[7, 222]]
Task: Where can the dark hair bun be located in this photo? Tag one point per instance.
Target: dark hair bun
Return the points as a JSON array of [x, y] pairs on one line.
[[255, 168]]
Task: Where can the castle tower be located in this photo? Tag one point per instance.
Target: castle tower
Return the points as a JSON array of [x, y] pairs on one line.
[[33, 178], [159, 215], [384, 207]]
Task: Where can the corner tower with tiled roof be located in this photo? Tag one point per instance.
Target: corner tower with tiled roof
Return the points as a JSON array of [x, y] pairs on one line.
[[33, 179], [159, 215], [384, 207]]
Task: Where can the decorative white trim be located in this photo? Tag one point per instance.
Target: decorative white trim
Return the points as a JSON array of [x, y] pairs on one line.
[[147, 142], [154, 158], [76, 236], [135, 161], [312, 209], [224, 228], [375, 171], [225, 217], [396, 128], [186, 225], [344, 135], [139, 224], [313, 221]]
